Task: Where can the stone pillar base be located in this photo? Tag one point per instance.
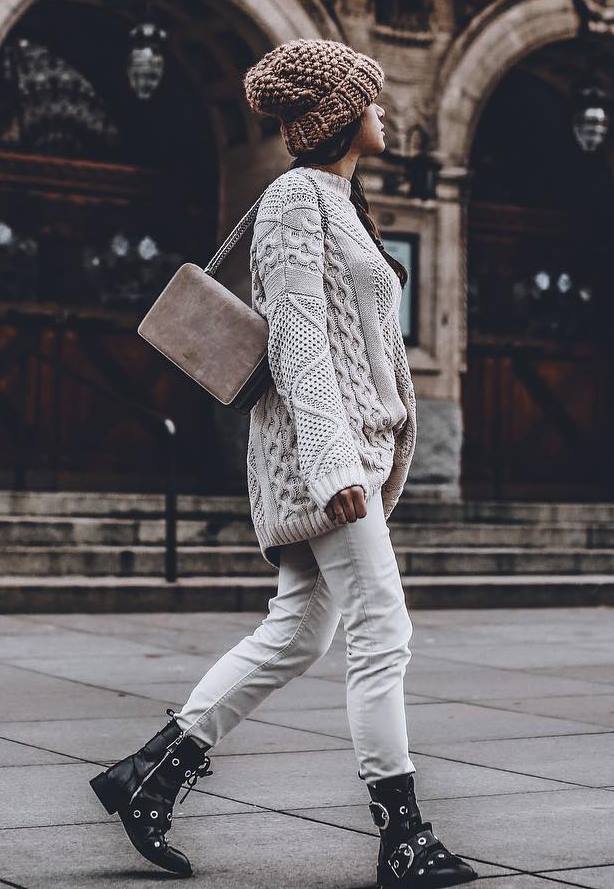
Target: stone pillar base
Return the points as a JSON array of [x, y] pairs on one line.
[[436, 468]]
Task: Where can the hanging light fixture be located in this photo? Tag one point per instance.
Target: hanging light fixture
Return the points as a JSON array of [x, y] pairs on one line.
[[146, 59], [591, 120]]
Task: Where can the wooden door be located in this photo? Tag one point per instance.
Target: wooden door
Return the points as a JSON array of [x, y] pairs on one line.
[[539, 387]]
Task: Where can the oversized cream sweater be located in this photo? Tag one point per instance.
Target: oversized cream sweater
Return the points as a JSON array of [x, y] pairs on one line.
[[341, 410]]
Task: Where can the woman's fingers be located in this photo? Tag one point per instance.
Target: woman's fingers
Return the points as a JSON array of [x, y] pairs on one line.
[[347, 505], [360, 506]]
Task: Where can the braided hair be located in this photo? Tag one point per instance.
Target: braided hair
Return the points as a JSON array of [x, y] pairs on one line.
[[333, 149]]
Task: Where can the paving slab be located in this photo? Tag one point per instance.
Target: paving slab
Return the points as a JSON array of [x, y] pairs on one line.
[[561, 631], [532, 832], [543, 827], [469, 683], [19, 624], [116, 672], [48, 795], [112, 739], [585, 616], [531, 656], [586, 759], [29, 695], [358, 818], [62, 645], [226, 851], [602, 674], [203, 622], [509, 711], [523, 881], [329, 777], [314, 693], [436, 723], [595, 877], [13, 754], [596, 709]]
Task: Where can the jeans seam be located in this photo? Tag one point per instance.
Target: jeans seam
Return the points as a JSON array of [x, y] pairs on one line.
[[363, 598], [275, 657], [361, 708]]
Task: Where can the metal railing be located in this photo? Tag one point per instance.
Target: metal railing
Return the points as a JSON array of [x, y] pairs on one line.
[[166, 426]]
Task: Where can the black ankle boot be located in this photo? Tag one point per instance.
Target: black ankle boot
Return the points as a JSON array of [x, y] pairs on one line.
[[410, 855], [142, 789]]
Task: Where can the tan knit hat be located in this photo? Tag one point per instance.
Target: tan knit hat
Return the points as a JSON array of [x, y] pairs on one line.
[[315, 88]]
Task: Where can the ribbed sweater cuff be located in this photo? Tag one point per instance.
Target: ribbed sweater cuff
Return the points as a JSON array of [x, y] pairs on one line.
[[336, 480]]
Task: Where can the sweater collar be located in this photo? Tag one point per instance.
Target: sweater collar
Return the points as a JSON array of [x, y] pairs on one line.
[[339, 184]]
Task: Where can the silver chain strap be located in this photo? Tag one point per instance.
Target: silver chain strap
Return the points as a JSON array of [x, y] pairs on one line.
[[233, 239]]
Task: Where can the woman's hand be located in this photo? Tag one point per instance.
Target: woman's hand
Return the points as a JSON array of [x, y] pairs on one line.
[[347, 505]]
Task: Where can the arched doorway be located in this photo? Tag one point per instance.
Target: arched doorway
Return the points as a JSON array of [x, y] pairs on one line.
[[103, 195], [539, 383]]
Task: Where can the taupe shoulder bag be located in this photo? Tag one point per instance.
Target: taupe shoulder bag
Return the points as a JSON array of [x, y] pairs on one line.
[[209, 332]]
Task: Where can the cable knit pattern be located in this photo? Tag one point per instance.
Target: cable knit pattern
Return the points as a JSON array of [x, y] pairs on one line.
[[341, 408]]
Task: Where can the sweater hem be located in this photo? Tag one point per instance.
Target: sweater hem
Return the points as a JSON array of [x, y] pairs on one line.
[[302, 527]]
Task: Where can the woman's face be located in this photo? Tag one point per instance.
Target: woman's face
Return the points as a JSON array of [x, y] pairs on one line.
[[369, 139]]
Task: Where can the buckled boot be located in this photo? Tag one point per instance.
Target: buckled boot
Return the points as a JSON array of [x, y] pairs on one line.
[[142, 789], [410, 855]]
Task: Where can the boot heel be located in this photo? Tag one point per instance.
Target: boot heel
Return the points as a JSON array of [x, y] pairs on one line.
[[104, 790]]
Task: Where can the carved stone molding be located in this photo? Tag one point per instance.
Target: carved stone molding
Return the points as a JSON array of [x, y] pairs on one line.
[[599, 16], [409, 24]]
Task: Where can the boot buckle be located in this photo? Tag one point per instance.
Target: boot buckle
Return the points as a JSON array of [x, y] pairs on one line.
[[378, 810], [401, 859]]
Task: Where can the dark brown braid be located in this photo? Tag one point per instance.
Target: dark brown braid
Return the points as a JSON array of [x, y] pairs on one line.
[[332, 150]]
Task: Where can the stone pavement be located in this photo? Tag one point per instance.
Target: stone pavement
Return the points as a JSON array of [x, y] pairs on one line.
[[511, 722]]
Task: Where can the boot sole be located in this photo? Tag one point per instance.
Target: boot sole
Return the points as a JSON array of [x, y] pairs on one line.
[[438, 885], [106, 793]]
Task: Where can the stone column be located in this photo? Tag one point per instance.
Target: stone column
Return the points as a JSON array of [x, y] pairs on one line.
[[436, 469]]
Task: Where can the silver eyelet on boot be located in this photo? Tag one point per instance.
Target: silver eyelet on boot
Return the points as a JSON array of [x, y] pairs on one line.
[[175, 761], [137, 813], [153, 813]]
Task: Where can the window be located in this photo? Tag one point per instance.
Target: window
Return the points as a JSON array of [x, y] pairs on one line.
[[404, 248]]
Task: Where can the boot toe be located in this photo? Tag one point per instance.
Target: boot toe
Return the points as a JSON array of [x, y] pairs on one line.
[[451, 874], [152, 845]]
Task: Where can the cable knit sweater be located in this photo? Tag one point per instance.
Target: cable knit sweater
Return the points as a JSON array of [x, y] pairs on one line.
[[341, 409]]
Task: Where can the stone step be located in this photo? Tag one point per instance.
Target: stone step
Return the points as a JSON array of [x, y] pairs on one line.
[[148, 561], [81, 530], [138, 594], [92, 503]]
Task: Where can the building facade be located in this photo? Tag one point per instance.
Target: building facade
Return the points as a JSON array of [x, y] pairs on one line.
[[503, 217]]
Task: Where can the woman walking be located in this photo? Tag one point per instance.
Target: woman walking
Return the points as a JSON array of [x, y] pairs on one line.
[[329, 450]]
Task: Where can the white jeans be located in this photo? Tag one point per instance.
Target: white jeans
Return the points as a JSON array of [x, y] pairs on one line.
[[350, 572]]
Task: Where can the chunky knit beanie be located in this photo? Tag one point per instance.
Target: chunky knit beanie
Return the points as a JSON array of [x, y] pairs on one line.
[[315, 88]]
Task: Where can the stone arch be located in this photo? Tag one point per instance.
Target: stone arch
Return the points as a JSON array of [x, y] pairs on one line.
[[280, 20], [480, 57]]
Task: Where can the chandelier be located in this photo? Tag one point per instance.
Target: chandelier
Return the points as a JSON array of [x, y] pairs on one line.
[[146, 59], [591, 120]]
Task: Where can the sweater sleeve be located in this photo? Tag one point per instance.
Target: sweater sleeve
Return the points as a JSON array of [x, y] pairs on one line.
[[289, 255]]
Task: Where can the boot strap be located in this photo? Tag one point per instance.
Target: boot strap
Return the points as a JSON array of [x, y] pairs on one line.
[[422, 850], [380, 815], [151, 812]]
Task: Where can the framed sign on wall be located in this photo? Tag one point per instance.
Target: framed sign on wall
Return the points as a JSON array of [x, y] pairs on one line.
[[404, 246]]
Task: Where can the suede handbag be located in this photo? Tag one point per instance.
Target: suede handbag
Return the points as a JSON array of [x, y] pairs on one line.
[[209, 332]]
